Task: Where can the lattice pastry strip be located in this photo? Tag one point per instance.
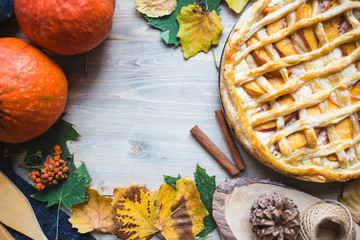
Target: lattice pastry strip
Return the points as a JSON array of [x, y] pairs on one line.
[[343, 98], [280, 122], [331, 131], [247, 87], [354, 153]]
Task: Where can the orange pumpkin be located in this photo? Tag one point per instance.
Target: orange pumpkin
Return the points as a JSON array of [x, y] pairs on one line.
[[33, 91], [65, 27]]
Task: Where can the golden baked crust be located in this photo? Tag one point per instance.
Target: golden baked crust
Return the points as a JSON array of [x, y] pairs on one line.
[[289, 83]]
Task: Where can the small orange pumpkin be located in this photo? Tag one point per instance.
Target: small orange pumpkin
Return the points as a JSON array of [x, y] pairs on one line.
[[65, 27], [33, 91]]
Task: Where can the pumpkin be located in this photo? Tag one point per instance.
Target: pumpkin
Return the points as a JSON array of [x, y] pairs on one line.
[[65, 27], [33, 91]]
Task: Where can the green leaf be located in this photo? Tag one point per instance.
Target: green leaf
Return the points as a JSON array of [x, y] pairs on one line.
[[206, 186], [83, 172], [172, 180], [58, 134], [68, 193], [169, 24], [38, 149]]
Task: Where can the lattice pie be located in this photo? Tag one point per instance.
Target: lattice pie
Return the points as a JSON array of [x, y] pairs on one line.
[[290, 86]]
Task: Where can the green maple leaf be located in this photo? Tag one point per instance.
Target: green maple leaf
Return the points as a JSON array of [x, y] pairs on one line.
[[70, 192], [169, 25], [206, 186], [58, 134], [39, 148], [83, 172], [172, 180]]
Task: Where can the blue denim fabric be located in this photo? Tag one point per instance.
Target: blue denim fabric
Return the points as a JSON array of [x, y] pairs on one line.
[[6, 10], [46, 216]]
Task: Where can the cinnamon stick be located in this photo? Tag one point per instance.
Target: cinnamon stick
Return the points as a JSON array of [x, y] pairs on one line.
[[230, 140], [214, 151]]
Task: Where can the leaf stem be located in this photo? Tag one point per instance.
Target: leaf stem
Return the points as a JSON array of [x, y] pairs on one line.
[[57, 221], [99, 235], [212, 49], [207, 8]]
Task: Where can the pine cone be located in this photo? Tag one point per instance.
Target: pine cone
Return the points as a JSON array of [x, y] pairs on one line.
[[275, 217]]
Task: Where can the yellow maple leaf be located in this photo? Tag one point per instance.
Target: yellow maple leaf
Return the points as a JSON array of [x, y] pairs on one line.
[[199, 29], [155, 8], [95, 214], [135, 208], [237, 5], [180, 212]]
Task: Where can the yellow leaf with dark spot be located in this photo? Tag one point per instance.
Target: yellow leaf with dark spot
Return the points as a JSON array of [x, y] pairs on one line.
[[95, 214], [135, 209], [155, 8], [181, 212], [237, 5], [199, 29]]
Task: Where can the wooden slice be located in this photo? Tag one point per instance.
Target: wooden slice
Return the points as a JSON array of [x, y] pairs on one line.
[[234, 198]]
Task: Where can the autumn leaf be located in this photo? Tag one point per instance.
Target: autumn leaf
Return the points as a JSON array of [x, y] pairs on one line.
[[199, 29], [350, 197], [206, 186], [168, 24], [177, 213], [155, 8], [135, 209], [237, 5], [180, 212], [95, 214], [69, 192]]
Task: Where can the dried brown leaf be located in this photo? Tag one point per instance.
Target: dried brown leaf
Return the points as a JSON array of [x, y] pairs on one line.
[[155, 8]]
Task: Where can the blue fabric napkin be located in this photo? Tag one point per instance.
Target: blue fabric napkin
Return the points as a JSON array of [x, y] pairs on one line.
[[46, 216]]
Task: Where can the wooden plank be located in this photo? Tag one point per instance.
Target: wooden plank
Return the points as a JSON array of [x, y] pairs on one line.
[[137, 102]]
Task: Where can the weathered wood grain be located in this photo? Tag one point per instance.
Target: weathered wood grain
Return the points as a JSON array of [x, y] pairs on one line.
[[137, 102]]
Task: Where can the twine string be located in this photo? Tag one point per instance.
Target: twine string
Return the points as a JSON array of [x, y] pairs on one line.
[[327, 212]]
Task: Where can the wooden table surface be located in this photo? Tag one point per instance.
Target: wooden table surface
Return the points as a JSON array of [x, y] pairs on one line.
[[137, 102]]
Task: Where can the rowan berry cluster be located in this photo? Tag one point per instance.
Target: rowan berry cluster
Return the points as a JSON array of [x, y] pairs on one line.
[[54, 170]]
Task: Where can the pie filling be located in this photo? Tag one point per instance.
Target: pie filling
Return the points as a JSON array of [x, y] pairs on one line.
[[296, 75]]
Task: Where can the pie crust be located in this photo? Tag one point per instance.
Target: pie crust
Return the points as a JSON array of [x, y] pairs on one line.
[[289, 83]]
